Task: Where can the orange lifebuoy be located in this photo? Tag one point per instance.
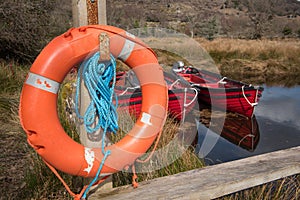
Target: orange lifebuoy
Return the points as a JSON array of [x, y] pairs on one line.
[[38, 103]]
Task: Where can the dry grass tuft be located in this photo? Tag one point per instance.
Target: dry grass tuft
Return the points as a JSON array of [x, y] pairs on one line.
[[285, 189], [171, 155], [288, 49], [256, 61]]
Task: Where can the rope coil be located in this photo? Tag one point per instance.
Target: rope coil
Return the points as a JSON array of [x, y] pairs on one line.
[[99, 79]]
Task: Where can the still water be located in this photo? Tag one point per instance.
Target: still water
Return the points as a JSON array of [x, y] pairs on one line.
[[275, 126]]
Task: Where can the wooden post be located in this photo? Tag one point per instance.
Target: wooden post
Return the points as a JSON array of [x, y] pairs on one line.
[[102, 19], [89, 12], [79, 11], [86, 12]]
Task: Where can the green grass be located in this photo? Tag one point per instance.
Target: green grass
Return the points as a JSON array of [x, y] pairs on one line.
[[30, 174], [172, 162], [36, 179], [12, 77]]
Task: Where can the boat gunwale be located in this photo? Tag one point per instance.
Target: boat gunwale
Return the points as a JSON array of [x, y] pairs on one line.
[[220, 77]]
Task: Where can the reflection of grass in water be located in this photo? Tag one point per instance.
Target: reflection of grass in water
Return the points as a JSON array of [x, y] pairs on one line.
[[187, 161]]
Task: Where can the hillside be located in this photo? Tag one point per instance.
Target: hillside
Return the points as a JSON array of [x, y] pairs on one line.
[[27, 26], [225, 18]]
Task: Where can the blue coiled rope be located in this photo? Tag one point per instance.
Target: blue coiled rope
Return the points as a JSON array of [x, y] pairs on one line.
[[99, 79]]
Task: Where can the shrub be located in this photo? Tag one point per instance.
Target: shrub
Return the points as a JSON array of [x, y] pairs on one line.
[[287, 31], [27, 26]]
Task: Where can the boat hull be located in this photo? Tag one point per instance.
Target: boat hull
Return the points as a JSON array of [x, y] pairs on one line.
[[223, 93], [232, 100], [182, 97]]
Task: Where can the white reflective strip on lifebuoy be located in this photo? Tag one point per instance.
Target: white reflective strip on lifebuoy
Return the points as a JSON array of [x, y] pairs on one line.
[[146, 118], [130, 35], [126, 50], [89, 156], [42, 83]]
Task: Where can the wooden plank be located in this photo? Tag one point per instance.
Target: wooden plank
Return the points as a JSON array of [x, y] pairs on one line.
[[213, 181]]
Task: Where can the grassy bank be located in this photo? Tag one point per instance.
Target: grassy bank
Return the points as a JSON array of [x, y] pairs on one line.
[[24, 175], [171, 155], [14, 150], [257, 61], [23, 172]]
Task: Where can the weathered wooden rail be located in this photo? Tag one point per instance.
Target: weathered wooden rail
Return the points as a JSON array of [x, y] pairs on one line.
[[213, 181]]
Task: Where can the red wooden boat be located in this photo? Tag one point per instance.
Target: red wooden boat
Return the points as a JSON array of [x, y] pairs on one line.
[[182, 97], [222, 92]]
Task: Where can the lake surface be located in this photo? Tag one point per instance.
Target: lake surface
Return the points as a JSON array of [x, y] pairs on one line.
[[275, 126]]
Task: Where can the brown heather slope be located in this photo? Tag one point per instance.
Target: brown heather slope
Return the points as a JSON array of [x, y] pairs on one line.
[[210, 19]]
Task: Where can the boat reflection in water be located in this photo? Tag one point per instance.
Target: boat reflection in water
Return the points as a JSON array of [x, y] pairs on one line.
[[237, 136], [241, 131]]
